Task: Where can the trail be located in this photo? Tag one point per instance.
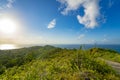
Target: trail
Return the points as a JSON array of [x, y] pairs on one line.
[[114, 65]]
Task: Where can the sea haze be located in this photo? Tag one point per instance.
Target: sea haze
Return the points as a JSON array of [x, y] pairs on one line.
[[68, 46]]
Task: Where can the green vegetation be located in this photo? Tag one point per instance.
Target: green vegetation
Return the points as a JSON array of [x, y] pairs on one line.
[[51, 63], [106, 54]]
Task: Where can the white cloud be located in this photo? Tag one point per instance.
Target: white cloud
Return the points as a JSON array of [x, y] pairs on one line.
[[81, 36], [6, 4], [110, 4], [104, 40], [52, 24], [92, 41], [10, 3], [70, 5], [91, 11]]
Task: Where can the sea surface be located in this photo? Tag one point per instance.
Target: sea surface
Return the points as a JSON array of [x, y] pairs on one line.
[[68, 46], [88, 46]]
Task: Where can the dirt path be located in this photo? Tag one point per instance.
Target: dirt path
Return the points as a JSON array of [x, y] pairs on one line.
[[115, 65]]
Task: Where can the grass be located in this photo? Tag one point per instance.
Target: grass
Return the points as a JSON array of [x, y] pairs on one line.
[[51, 63]]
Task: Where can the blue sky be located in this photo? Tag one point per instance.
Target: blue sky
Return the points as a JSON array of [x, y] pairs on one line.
[[63, 21]]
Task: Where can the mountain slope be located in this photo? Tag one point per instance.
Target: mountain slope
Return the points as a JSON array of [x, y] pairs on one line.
[[51, 63]]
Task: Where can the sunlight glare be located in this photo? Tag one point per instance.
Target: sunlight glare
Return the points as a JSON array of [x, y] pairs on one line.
[[7, 47], [8, 26]]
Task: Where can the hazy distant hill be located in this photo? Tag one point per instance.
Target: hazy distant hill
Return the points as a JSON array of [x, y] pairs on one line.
[[52, 63]]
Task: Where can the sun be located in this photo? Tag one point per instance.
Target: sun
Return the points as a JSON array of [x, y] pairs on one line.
[[8, 26]]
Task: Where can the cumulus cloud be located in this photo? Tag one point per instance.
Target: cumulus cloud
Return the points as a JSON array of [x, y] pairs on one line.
[[52, 24], [104, 40], [91, 11], [81, 36], [70, 5], [6, 4], [10, 3], [110, 4]]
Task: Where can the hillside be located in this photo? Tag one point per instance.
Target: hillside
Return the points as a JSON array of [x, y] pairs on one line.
[[52, 63]]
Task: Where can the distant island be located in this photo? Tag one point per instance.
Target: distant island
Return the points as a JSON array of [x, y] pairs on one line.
[[54, 63]]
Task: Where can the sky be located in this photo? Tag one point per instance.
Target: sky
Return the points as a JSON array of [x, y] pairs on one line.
[[60, 21]]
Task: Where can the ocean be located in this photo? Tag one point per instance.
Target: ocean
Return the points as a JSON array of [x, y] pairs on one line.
[[68, 46], [88, 46]]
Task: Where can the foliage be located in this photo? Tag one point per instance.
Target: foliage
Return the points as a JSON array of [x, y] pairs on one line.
[[51, 63]]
